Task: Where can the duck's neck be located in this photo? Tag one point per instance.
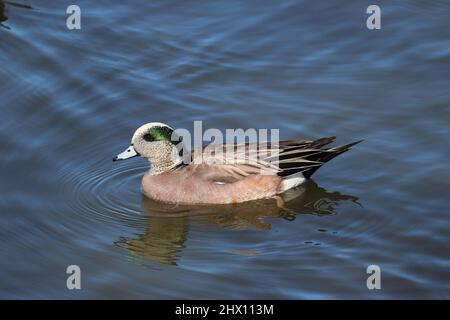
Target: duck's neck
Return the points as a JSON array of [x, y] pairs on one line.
[[158, 167]]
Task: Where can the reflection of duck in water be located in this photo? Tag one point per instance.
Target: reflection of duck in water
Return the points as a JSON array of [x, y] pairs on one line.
[[162, 241], [3, 16], [167, 228]]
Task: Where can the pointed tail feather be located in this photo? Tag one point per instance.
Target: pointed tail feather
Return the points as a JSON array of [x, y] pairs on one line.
[[307, 157], [327, 155]]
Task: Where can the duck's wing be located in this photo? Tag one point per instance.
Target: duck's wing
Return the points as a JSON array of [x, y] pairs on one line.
[[237, 159], [284, 159]]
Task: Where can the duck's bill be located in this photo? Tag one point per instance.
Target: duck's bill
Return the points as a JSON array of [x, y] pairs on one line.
[[127, 154]]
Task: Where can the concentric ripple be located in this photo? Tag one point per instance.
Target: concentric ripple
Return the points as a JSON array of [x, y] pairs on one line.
[[102, 190]]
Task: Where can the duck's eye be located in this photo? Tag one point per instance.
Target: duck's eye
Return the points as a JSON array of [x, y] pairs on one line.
[[148, 137]]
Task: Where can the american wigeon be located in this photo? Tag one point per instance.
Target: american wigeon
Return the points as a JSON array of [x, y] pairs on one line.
[[224, 174]]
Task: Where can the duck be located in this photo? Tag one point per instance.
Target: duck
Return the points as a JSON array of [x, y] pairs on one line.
[[224, 173]]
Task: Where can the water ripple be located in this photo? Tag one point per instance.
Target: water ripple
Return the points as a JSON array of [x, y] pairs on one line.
[[101, 190]]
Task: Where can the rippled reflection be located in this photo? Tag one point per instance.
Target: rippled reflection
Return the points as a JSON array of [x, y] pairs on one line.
[[3, 6], [168, 224], [163, 239]]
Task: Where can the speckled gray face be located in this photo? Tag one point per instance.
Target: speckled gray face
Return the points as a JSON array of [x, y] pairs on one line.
[[154, 141]]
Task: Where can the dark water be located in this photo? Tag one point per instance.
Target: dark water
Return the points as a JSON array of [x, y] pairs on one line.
[[70, 100]]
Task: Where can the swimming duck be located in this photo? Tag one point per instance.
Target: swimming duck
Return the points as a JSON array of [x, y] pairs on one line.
[[227, 174]]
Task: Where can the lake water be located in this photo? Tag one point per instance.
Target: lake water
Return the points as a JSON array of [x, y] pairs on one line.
[[70, 101]]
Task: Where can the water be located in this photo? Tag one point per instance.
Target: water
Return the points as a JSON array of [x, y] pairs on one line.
[[70, 101]]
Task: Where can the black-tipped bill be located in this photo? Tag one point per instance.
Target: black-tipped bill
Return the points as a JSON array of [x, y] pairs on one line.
[[127, 154]]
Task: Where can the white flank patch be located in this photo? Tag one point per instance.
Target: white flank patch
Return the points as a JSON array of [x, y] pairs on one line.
[[293, 181]]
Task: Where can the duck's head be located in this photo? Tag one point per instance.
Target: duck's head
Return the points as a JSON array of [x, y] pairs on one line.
[[155, 141]]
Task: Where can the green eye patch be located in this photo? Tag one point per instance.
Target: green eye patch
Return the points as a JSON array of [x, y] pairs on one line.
[[160, 134]]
